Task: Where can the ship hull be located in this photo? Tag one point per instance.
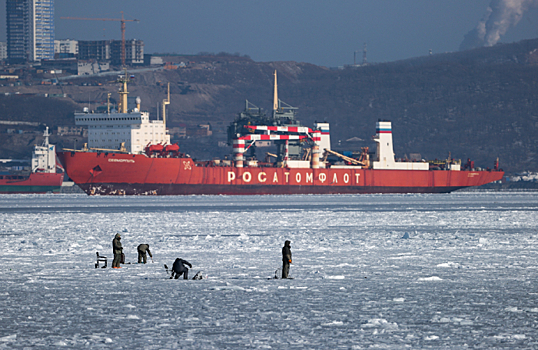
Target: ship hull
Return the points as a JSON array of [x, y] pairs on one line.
[[127, 174], [34, 183]]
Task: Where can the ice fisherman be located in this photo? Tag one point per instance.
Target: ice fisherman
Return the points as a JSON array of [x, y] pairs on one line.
[[142, 249], [180, 269], [286, 259], [117, 249]]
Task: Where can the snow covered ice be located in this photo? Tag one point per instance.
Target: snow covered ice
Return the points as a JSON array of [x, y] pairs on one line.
[[466, 276]]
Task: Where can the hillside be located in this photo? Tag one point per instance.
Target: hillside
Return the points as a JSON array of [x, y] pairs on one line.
[[480, 104]]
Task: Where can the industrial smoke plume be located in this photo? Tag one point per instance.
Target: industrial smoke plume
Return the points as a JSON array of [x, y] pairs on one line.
[[499, 17]]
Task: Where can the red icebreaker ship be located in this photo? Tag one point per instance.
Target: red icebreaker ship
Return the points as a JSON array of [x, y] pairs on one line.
[[304, 162]]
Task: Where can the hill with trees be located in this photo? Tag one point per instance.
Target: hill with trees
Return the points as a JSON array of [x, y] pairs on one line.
[[479, 104]]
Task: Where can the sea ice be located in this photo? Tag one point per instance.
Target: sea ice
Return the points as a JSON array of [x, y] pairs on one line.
[[432, 278], [356, 284]]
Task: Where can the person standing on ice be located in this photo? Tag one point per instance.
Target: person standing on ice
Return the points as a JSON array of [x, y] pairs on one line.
[[142, 249], [180, 269], [117, 249], [286, 259]]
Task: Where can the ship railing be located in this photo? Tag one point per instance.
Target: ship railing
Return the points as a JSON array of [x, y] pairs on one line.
[[94, 149]]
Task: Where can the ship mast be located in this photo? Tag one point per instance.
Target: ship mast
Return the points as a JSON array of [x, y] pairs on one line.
[[123, 93], [275, 96], [46, 134], [166, 102]]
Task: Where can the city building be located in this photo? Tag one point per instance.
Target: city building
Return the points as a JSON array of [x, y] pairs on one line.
[[3, 50], [65, 48], [92, 67], [18, 23], [110, 50], [134, 52], [42, 34], [68, 65], [30, 30], [94, 50]]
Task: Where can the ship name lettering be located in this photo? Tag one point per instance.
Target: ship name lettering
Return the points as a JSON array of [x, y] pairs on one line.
[[298, 177], [357, 178], [275, 178], [114, 160], [346, 178], [322, 177], [286, 176], [335, 179], [262, 177], [247, 176], [310, 177], [231, 176]]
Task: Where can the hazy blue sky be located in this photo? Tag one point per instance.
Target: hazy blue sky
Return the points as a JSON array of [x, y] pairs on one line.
[[316, 31]]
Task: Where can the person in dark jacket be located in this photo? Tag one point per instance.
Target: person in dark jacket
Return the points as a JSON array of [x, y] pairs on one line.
[[142, 249], [180, 269], [117, 249], [286, 259]]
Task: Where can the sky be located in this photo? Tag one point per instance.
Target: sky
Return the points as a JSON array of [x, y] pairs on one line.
[[315, 31]]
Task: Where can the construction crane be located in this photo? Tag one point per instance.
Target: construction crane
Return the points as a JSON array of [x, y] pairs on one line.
[[122, 20]]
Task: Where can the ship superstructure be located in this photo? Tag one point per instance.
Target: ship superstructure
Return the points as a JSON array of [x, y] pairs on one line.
[[124, 129], [44, 156], [303, 163]]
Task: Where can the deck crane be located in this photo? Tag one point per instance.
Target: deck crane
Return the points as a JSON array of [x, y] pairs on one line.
[[122, 20]]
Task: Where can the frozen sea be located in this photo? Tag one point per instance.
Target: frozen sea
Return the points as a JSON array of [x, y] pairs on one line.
[[465, 278]]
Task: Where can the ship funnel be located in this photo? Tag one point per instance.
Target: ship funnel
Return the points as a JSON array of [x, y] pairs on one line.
[[46, 134], [385, 151], [325, 137]]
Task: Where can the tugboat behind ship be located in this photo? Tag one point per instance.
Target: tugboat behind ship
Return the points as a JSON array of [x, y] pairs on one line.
[[43, 176]]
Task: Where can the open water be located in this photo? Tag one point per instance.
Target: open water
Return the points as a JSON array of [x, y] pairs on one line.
[[465, 278]]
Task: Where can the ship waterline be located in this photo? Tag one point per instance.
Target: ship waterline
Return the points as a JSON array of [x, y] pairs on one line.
[[114, 173]]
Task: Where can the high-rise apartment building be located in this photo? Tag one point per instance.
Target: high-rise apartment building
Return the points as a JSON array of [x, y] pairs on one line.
[[3, 50], [17, 20], [30, 30], [42, 45]]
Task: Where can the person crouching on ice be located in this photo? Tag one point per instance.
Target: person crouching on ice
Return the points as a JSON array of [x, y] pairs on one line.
[[180, 269], [286, 259], [142, 257]]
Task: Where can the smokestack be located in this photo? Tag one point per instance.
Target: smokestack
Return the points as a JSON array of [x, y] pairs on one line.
[[500, 16]]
